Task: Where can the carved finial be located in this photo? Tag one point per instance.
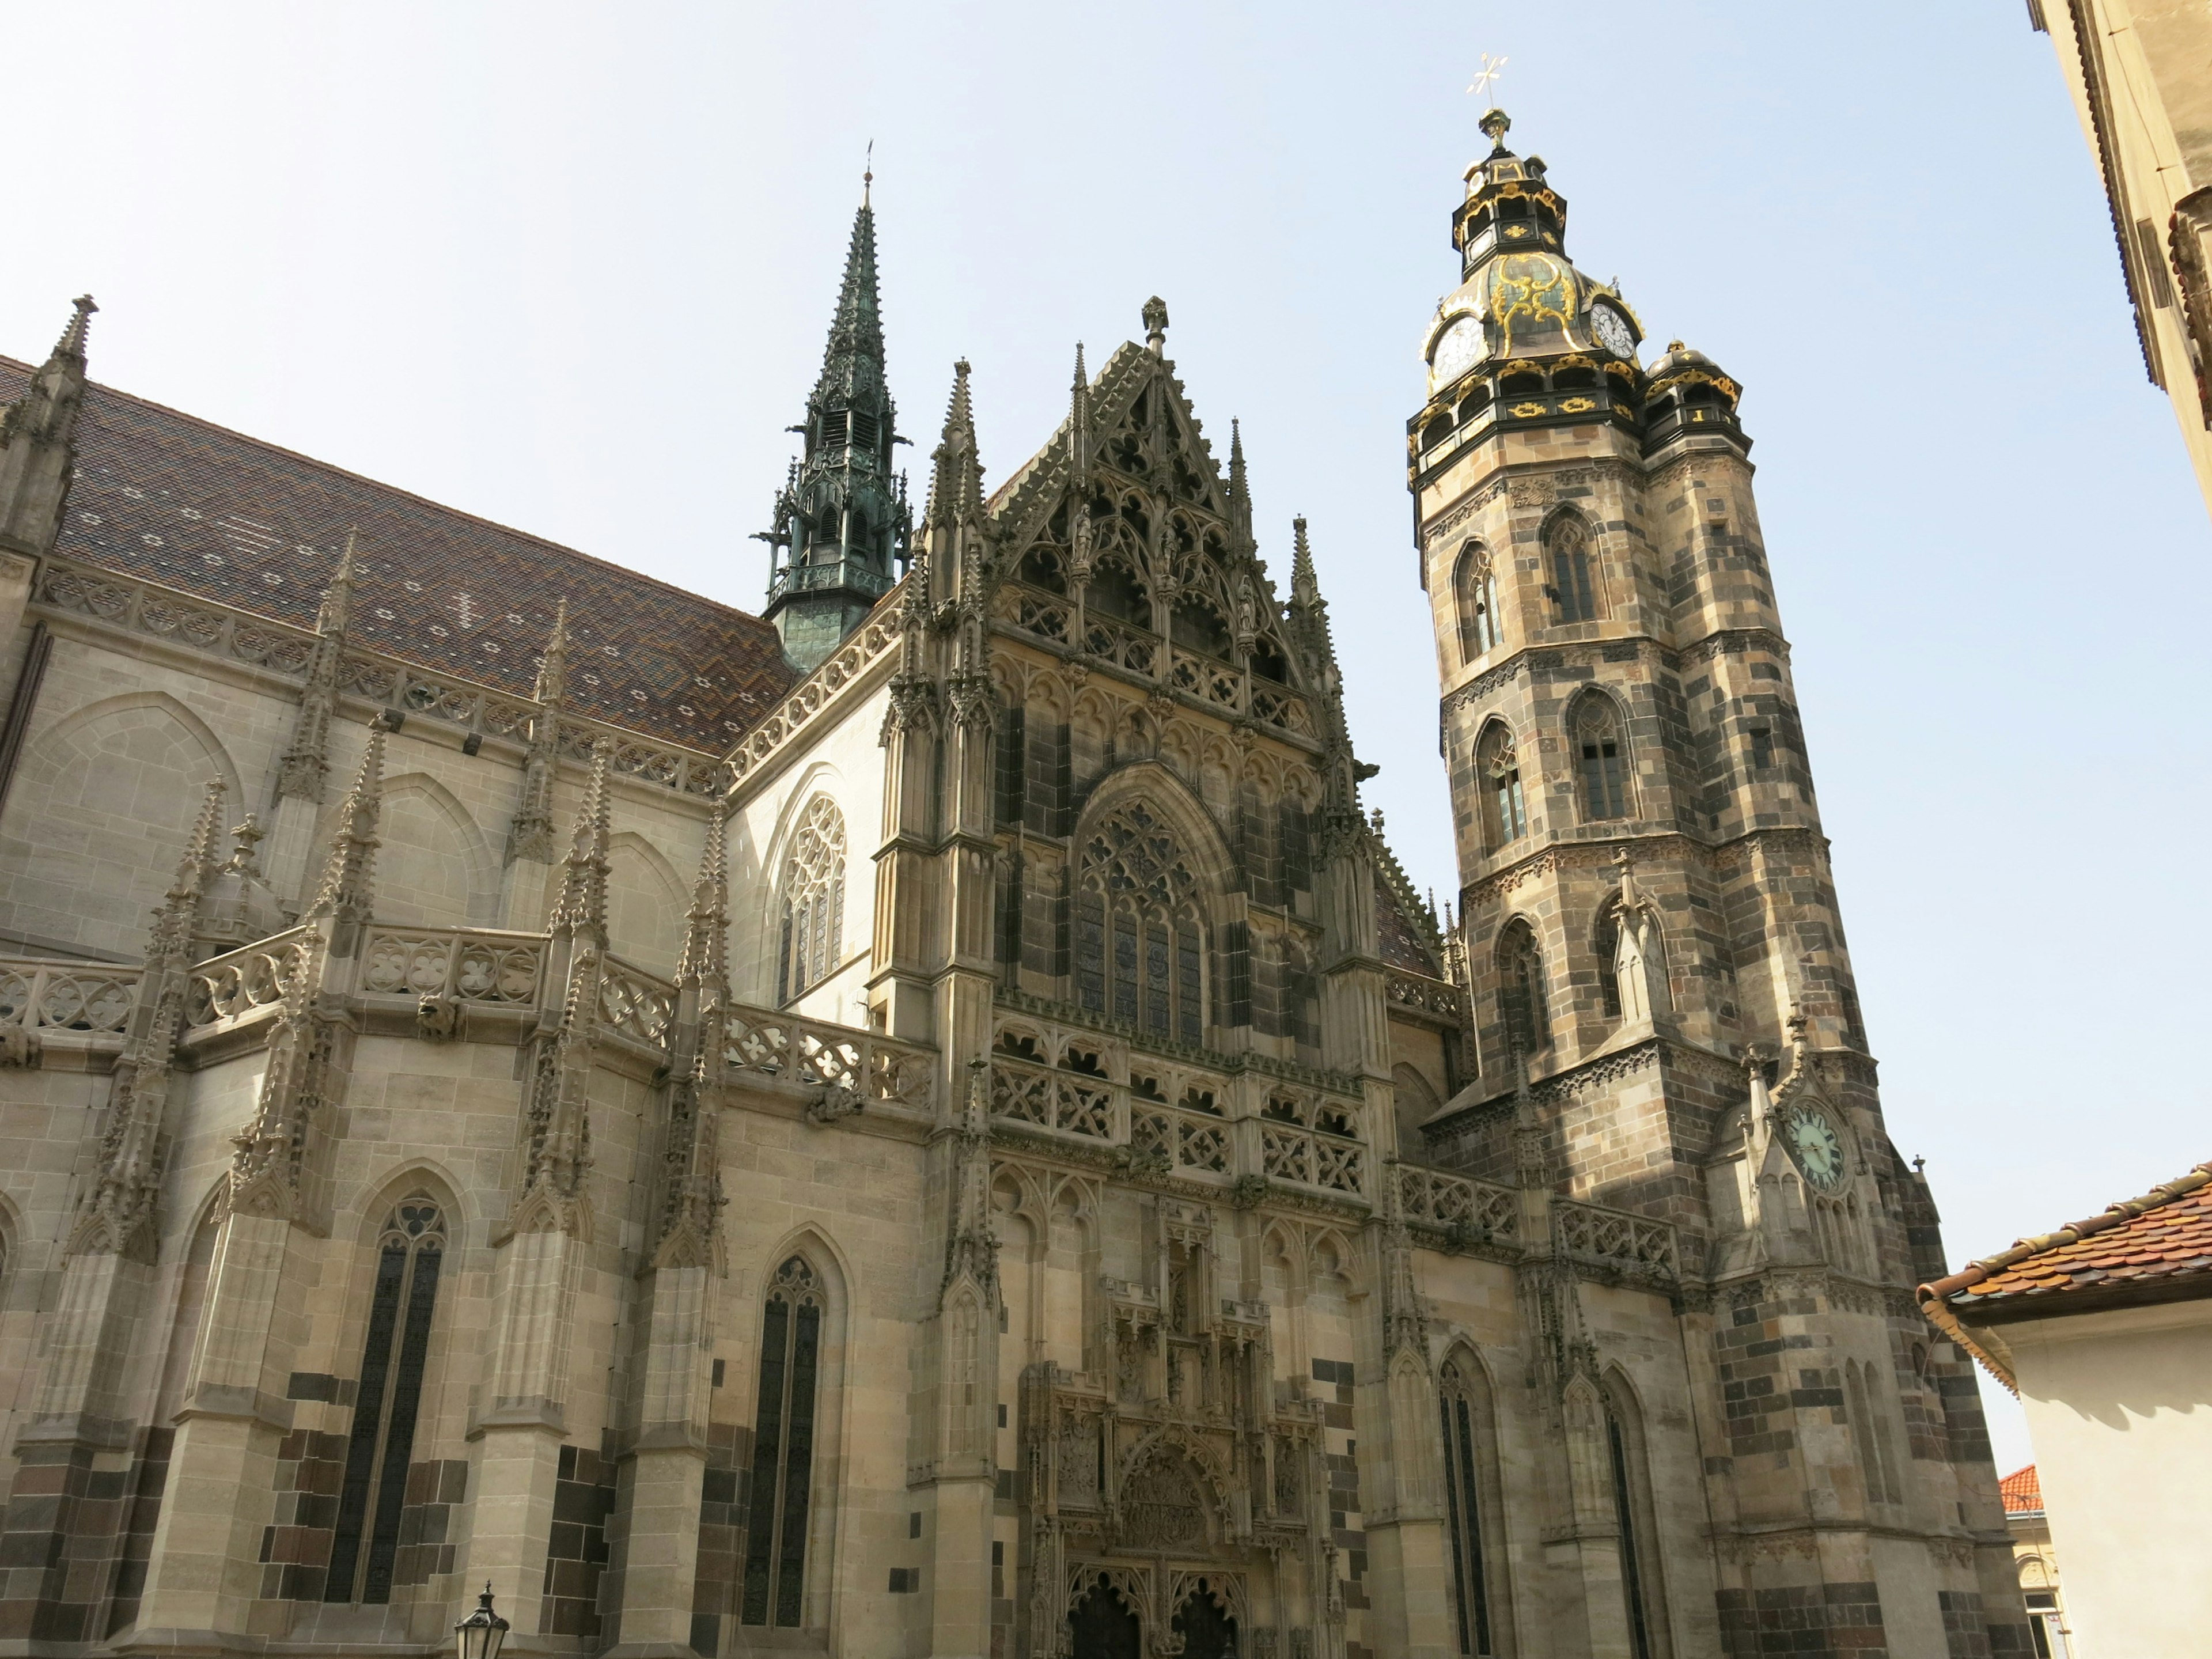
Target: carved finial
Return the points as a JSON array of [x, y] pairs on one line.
[[868, 173], [1919, 1164], [244, 838], [1082, 380], [344, 894], [1626, 867], [1494, 126], [553, 670], [337, 599], [1305, 587], [72, 344], [1796, 1024], [582, 907], [1156, 325], [705, 948], [1375, 820]]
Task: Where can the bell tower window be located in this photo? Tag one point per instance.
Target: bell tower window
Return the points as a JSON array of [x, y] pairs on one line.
[[1475, 601], [1521, 988], [1504, 809], [1604, 766], [1573, 588]]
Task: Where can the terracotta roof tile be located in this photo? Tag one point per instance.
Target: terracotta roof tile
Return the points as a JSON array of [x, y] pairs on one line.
[[171, 499], [2165, 1235], [2022, 1491]]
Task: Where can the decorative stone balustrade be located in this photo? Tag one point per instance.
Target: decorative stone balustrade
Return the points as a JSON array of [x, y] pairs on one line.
[[1473, 1209], [637, 1004], [1615, 1239], [814, 694], [42, 995], [1177, 1116], [239, 981], [467, 964], [791, 1049]]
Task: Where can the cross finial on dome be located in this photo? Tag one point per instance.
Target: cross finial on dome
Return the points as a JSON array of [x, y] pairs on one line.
[[1494, 126]]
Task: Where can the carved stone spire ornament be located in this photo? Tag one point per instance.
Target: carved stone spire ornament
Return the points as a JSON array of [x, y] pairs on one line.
[[116, 1214], [693, 1199], [972, 1244], [556, 1152], [345, 895], [270, 1155], [1156, 325], [38, 440], [304, 768], [530, 834]]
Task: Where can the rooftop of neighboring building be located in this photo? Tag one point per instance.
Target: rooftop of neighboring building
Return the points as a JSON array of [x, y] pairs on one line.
[[168, 498], [2022, 1493], [2157, 1248]]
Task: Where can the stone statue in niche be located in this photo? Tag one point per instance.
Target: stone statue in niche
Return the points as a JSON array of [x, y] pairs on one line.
[[1078, 1461]]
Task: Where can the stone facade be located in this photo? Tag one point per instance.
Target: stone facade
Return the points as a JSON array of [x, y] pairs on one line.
[[991, 1158]]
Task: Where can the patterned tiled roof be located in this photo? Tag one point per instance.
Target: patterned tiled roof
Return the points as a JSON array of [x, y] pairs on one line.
[[167, 498], [2152, 1248], [2022, 1491], [1402, 946]]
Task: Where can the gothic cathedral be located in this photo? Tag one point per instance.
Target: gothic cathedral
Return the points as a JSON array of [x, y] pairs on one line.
[[929, 1122]]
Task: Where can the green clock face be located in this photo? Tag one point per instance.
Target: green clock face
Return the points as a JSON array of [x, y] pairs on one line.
[[1817, 1147]]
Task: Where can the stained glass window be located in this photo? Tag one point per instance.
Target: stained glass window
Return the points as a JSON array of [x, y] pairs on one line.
[[812, 940], [1140, 935], [1463, 1505], [783, 1449], [410, 1251]]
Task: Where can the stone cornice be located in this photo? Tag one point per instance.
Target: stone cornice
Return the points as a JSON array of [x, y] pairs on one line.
[[1533, 657], [1669, 846]]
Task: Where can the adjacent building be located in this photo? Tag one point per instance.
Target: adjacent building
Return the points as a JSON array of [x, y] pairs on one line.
[[2138, 73], [932, 1122], [2104, 1329], [2030, 1526]]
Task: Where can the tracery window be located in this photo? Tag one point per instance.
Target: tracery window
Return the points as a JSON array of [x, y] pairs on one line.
[[1521, 987], [813, 901], [1475, 598], [1139, 932], [1504, 809], [410, 1251], [783, 1448], [1463, 1409], [1573, 588], [1599, 746]]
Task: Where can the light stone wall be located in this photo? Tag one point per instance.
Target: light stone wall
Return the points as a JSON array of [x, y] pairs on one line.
[[2116, 1406]]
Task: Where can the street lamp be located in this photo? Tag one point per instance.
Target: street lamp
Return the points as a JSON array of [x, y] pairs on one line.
[[483, 1632]]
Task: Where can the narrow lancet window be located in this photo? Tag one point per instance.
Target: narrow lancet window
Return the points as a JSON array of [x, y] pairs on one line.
[[783, 1449], [409, 1254], [1463, 1506], [1521, 988]]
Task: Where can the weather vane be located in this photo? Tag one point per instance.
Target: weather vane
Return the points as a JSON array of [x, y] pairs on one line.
[[1491, 69]]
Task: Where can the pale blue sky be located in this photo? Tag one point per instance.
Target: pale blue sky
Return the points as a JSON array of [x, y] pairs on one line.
[[569, 267]]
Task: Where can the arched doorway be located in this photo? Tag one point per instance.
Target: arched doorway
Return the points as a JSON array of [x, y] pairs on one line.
[[1207, 1628], [1103, 1626]]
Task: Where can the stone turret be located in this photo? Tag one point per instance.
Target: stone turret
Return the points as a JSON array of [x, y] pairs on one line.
[[37, 441]]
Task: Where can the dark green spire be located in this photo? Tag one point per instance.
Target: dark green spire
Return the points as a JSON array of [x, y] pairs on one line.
[[843, 519]]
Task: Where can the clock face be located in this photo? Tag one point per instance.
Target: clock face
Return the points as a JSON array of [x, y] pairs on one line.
[[1612, 332], [1818, 1147], [1459, 350]]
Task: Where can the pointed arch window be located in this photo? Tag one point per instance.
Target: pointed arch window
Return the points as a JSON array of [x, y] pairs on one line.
[[1140, 930], [1574, 587], [410, 1251], [783, 1448], [1602, 754], [1466, 1481], [1606, 944], [1504, 809], [1475, 601], [1521, 987], [813, 930]]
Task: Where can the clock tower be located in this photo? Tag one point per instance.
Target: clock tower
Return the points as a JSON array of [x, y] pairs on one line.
[[1660, 986]]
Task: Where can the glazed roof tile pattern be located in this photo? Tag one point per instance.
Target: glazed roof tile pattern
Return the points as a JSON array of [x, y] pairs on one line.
[[2164, 1236], [2022, 1491], [167, 498]]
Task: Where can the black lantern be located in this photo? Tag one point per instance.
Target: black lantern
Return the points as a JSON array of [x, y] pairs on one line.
[[483, 1632]]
